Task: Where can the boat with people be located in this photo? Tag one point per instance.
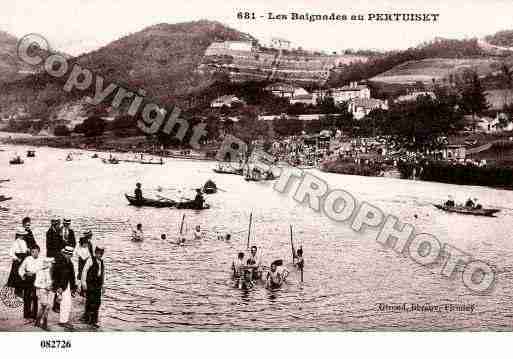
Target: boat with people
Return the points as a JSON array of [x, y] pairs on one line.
[[4, 198], [191, 205], [31, 153], [16, 161], [476, 211], [227, 169], [209, 187], [150, 202]]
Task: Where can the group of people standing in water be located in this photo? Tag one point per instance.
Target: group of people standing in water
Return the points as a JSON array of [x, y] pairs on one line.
[[247, 271], [50, 282]]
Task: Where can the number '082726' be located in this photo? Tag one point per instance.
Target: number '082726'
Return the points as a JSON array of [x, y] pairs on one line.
[[55, 344]]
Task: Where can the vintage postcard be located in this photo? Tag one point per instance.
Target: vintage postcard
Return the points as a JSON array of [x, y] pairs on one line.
[[255, 166]]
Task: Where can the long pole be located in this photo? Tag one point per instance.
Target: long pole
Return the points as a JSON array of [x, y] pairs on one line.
[[249, 228], [181, 226], [292, 244]]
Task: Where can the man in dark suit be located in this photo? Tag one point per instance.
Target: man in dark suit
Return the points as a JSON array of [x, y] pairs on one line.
[[92, 282], [68, 235], [54, 242], [63, 276]]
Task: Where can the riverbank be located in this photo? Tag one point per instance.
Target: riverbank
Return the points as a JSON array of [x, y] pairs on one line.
[[106, 143], [456, 173]]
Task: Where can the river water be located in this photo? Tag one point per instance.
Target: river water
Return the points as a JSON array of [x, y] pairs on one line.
[[156, 285]]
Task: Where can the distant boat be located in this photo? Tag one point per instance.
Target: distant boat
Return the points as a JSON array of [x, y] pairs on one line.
[[4, 198], [228, 169], [487, 212], [16, 161], [31, 153], [111, 160], [209, 187]]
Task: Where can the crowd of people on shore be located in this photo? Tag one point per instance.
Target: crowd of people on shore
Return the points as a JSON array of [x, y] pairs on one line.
[[51, 281]]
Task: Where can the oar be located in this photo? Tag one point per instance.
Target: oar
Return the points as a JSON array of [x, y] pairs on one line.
[[292, 245], [249, 228], [166, 198], [181, 226]]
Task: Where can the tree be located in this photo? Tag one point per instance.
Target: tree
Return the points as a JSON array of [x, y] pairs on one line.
[[61, 130], [473, 98], [92, 126]]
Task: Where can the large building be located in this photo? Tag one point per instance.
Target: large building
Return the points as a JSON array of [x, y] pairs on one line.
[[361, 107], [349, 92]]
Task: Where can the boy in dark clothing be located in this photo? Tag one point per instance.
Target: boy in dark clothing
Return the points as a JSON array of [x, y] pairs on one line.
[[92, 282]]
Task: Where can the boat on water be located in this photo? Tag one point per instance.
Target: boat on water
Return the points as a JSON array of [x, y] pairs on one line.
[[4, 198], [164, 203], [110, 161], [191, 205], [149, 202], [16, 161], [31, 153], [487, 212], [228, 169], [209, 187]]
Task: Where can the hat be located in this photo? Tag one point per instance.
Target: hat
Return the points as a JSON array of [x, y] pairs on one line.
[[99, 249], [67, 250], [67, 221], [87, 234], [54, 220]]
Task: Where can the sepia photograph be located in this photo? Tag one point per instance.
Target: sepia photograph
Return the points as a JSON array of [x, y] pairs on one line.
[[255, 166]]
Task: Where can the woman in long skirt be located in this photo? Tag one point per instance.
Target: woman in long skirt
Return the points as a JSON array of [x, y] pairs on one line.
[[18, 252]]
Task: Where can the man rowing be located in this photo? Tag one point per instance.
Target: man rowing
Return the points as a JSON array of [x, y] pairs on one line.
[[138, 192]]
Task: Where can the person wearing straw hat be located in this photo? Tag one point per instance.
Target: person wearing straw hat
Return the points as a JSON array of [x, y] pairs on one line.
[[64, 284], [54, 242], [92, 281], [68, 235]]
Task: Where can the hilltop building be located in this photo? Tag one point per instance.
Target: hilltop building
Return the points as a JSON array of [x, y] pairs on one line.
[[280, 44]]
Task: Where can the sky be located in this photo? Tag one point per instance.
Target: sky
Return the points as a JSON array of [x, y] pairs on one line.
[[78, 26]]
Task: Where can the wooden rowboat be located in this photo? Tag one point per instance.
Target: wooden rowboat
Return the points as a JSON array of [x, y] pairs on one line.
[[486, 212], [149, 202]]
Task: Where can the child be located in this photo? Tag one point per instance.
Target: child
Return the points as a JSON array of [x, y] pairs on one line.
[[44, 293], [27, 272]]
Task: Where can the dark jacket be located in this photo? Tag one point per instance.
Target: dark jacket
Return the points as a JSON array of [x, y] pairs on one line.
[[93, 280], [54, 243], [72, 242], [29, 239], [63, 273]]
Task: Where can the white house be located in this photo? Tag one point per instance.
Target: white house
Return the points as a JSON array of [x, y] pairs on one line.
[[352, 91], [361, 107], [226, 100], [280, 44], [412, 96]]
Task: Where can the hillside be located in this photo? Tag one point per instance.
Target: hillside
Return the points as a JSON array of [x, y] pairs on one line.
[[11, 68], [437, 69], [162, 59], [502, 38]]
